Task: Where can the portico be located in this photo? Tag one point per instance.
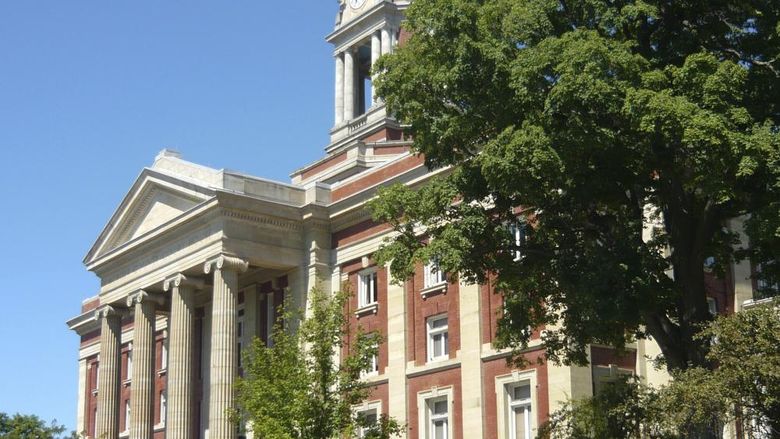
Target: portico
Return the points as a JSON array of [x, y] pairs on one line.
[[203, 252]]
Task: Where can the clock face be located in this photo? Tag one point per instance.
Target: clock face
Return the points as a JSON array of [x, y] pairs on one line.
[[355, 4]]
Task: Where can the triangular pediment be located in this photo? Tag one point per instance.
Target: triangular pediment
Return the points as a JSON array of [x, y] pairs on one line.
[[154, 200]]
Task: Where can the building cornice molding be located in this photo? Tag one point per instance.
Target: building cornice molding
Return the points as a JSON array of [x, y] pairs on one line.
[[261, 219]]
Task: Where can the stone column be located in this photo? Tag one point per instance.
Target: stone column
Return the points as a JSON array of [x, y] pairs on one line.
[[107, 424], [224, 344], [180, 421], [349, 84], [142, 379], [376, 51], [387, 40], [339, 88]]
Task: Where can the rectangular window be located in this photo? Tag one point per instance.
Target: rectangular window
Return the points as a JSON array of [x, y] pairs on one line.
[[767, 286], [127, 416], [518, 231], [240, 336], [433, 275], [367, 419], [438, 338], [519, 410], [129, 364], [712, 305], [368, 288], [163, 407], [373, 366], [438, 418], [164, 355]]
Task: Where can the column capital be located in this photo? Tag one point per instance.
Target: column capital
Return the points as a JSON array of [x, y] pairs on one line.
[[179, 280], [107, 311], [142, 296], [226, 263]]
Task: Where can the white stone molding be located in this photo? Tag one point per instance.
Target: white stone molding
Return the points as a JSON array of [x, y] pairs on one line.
[[226, 263]]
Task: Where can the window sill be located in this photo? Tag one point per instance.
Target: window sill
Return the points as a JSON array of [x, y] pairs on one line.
[[369, 376], [752, 303], [367, 309], [162, 372], [436, 366], [126, 383], [125, 433], [434, 289], [159, 427], [374, 379]]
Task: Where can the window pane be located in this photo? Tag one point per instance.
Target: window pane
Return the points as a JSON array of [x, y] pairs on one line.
[[439, 323], [446, 343], [521, 392], [437, 346], [440, 429], [521, 421], [440, 407]]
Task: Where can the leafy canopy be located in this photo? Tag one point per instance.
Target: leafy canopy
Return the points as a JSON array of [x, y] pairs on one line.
[[21, 426], [296, 389], [743, 389], [627, 133]]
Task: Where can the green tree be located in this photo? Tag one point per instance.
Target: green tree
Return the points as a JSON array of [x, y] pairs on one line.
[[744, 388], [629, 132], [297, 389], [622, 410], [21, 426]]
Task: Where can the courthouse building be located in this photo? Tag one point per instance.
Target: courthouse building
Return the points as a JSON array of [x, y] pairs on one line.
[[195, 262]]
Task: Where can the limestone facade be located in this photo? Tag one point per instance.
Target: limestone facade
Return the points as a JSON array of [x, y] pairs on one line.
[[195, 262]]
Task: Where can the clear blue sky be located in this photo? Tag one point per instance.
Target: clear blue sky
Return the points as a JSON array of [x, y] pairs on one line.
[[90, 91]]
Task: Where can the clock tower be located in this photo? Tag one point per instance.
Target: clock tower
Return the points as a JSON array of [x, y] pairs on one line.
[[365, 30]]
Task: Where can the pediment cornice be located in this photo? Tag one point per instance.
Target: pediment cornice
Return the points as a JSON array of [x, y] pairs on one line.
[[154, 199]]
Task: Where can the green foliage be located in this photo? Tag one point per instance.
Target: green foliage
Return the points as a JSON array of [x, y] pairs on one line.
[[585, 113], [743, 388], [622, 410], [296, 388], [746, 349], [31, 427]]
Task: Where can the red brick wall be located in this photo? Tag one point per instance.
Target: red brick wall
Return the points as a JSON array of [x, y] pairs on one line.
[[374, 177], [368, 322], [90, 400], [420, 309], [492, 309], [384, 134], [333, 161], [603, 356], [357, 232], [722, 290], [441, 379], [499, 367]]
